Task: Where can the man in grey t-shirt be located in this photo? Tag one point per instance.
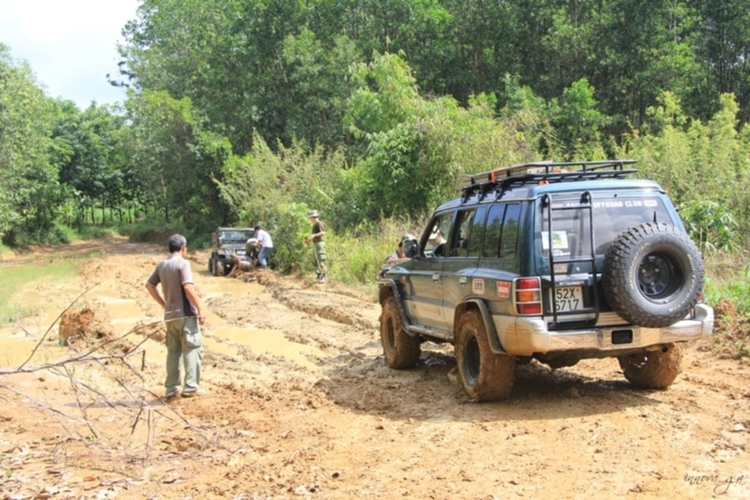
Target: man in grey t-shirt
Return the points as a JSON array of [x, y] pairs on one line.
[[183, 317]]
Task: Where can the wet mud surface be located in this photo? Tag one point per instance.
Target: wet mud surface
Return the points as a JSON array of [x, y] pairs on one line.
[[300, 404]]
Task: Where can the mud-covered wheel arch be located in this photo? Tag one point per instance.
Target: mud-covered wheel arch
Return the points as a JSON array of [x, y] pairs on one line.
[[484, 375], [653, 369], [653, 275], [400, 349]]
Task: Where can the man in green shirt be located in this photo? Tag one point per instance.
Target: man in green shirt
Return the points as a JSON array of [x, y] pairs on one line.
[[319, 245]]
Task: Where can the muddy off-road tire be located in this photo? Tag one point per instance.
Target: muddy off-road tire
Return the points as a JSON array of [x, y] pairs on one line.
[[653, 275], [653, 369], [484, 375], [400, 349], [218, 268], [211, 266]]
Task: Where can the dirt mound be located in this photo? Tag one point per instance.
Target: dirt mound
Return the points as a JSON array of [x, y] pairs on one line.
[[75, 323], [85, 329]]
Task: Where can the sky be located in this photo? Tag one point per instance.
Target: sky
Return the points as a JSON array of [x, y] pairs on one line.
[[71, 45]]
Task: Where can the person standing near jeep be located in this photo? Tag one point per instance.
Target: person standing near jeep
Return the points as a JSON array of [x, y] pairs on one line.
[[319, 245], [182, 315], [265, 243]]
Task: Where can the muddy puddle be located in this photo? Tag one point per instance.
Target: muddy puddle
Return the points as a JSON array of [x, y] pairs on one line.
[[16, 348], [269, 342], [125, 313]]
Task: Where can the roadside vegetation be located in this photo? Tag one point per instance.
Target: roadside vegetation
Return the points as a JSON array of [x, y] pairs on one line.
[[19, 273], [370, 116]]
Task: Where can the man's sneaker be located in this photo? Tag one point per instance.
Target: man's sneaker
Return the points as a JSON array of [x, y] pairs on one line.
[[199, 392], [171, 395], [321, 278]]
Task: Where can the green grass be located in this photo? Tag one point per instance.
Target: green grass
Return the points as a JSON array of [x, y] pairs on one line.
[[355, 259], [728, 278], [14, 276]]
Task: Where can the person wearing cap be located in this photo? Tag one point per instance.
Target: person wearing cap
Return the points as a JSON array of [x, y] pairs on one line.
[[319, 245], [265, 243], [400, 254]]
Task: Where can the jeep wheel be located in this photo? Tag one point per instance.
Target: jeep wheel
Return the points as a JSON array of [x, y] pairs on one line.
[[218, 268], [400, 349], [653, 369], [653, 275], [211, 265], [485, 375]]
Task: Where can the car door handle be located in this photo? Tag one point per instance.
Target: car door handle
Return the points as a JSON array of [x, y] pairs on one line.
[[435, 278]]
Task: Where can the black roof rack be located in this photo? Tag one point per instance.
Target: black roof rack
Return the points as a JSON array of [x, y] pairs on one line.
[[544, 172]]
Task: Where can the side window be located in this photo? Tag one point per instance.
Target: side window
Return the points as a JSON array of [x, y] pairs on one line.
[[475, 241], [509, 240], [437, 235], [460, 242], [493, 231]]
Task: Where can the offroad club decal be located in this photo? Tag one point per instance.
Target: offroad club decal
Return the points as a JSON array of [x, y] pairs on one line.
[[477, 286], [503, 289]]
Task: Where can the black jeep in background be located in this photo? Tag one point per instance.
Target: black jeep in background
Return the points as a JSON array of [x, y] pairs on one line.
[[227, 241], [556, 262]]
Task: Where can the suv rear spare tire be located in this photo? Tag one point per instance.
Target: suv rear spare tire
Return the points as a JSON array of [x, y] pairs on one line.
[[485, 375], [653, 369], [400, 349], [653, 275]]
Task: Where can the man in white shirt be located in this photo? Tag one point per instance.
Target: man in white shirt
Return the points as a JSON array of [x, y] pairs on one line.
[[265, 243]]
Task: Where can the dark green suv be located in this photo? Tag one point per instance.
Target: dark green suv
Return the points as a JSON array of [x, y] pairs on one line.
[[552, 261]]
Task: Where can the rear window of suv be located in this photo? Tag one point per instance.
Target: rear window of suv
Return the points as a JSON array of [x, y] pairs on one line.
[[612, 215]]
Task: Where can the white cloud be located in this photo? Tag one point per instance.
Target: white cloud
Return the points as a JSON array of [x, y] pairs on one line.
[[69, 44]]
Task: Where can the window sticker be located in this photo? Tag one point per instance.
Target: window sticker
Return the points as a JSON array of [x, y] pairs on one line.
[[503, 289], [559, 240], [477, 286]]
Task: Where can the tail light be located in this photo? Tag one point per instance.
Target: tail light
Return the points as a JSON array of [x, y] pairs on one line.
[[528, 295]]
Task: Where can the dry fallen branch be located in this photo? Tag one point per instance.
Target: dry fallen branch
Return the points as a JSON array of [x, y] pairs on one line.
[[88, 396]]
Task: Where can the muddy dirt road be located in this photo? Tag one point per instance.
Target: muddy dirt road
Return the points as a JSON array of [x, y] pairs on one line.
[[300, 404]]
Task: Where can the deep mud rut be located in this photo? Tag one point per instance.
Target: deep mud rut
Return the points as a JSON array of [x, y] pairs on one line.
[[300, 404]]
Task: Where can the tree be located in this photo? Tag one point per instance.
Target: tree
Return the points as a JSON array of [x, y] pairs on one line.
[[177, 161], [29, 193]]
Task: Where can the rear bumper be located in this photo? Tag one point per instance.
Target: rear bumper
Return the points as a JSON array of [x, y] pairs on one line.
[[523, 336]]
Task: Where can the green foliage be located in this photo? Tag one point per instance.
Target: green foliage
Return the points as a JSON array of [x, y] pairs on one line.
[[710, 225], [289, 230], [29, 192], [256, 185], [176, 160], [578, 122], [359, 253], [703, 167], [416, 147]]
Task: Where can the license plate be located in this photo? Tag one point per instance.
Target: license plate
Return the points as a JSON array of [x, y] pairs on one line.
[[568, 298]]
